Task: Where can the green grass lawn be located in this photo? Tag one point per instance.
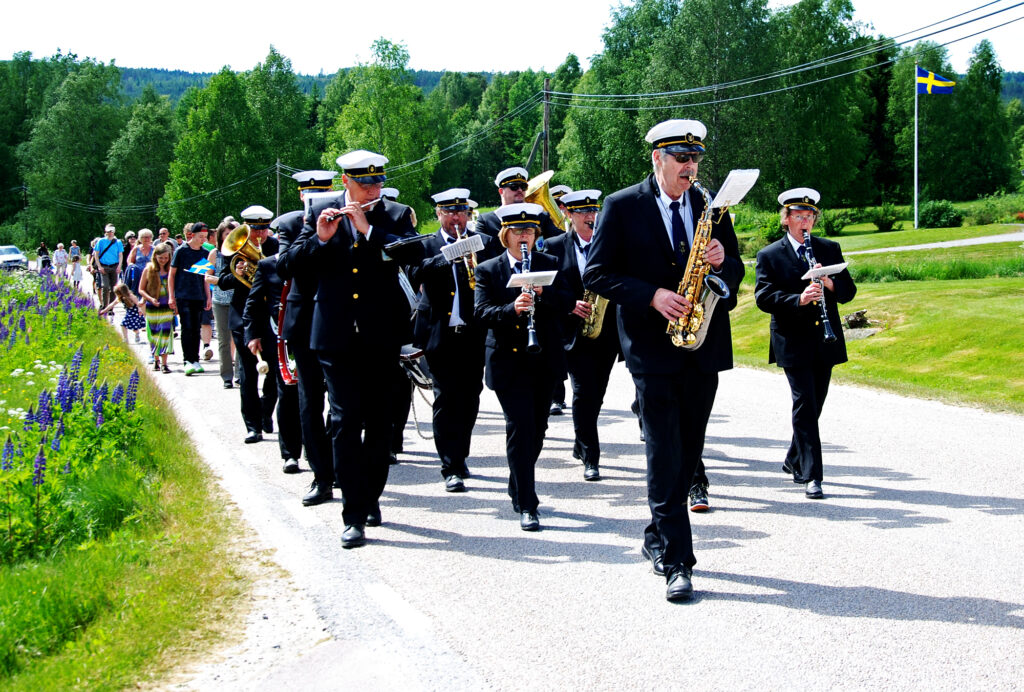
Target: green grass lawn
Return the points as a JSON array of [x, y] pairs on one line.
[[968, 262], [870, 239], [956, 341]]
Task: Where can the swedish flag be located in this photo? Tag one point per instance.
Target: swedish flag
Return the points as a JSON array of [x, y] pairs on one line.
[[931, 83], [201, 267]]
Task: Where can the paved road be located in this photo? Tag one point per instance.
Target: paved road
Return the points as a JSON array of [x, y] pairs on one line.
[[983, 240], [907, 576]]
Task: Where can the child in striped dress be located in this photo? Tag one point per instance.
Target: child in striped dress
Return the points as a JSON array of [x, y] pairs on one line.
[[159, 316]]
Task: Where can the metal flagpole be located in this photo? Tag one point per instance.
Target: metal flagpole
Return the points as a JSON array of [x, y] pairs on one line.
[[915, 144]]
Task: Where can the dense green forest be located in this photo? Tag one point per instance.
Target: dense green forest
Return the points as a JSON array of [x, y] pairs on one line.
[[799, 92]]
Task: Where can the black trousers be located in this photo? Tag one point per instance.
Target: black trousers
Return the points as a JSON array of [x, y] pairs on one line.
[[590, 364], [360, 391], [400, 405], [311, 390], [809, 386], [457, 371], [526, 408], [675, 410], [289, 426], [191, 314], [254, 408]]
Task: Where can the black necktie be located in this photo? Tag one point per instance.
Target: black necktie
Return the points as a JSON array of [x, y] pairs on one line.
[[449, 240], [678, 234], [801, 252], [519, 267]]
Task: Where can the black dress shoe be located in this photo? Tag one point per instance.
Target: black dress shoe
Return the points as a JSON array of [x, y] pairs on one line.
[[591, 473], [557, 408], [228, 385], [268, 424], [655, 556], [317, 495], [290, 466], [373, 517], [680, 588], [813, 490], [528, 521], [353, 536], [454, 484], [253, 437]]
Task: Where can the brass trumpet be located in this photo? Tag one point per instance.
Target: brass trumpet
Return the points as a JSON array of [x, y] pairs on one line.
[[238, 247]]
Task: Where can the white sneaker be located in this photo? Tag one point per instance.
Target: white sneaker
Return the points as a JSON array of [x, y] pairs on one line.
[[190, 369], [208, 353]]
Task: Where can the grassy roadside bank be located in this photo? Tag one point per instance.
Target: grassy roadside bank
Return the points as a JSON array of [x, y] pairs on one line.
[[124, 567], [956, 341]]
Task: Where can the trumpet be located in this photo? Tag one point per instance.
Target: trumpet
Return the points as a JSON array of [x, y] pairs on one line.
[[365, 205], [532, 343]]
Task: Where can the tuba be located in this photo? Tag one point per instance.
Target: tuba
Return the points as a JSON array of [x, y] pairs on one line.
[[238, 247], [702, 289], [538, 192]]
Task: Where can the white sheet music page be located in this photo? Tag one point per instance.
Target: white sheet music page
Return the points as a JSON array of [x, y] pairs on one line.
[[531, 279], [736, 186], [824, 271], [460, 248]]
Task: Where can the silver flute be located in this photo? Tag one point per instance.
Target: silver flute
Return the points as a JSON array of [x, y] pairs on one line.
[[339, 214]]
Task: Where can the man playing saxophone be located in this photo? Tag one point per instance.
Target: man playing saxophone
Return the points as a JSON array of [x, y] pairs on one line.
[[639, 255], [590, 334], [450, 336]]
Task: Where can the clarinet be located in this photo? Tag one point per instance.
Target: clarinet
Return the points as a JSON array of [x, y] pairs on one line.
[[829, 335], [532, 344]]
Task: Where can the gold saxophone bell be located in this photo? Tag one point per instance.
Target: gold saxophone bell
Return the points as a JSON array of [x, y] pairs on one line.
[[591, 327], [238, 247]]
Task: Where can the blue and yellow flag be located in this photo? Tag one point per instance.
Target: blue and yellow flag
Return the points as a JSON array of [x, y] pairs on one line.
[[201, 267], [931, 83]]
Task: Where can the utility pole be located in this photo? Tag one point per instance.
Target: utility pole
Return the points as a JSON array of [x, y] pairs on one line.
[[277, 209], [547, 120]]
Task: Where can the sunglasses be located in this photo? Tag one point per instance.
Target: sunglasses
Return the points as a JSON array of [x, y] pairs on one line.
[[685, 158], [518, 187]]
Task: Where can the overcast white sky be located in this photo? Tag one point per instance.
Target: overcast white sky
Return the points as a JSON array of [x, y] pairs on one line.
[[455, 34]]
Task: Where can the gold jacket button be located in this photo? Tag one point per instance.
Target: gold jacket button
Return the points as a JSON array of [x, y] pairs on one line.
[[449, 314], [355, 296], [515, 350], [816, 323], [355, 270], [517, 326], [453, 294], [815, 302]]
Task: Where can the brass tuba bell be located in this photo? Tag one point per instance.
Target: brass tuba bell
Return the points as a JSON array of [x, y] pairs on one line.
[[238, 247], [538, 192]]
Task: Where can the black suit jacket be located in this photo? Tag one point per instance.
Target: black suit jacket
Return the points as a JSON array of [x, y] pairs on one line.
[[229, 282], [505, 355], [796, 331], [263, 303], [563, 248], [435, 281], [298, 314], [357, 285], [632, 258]]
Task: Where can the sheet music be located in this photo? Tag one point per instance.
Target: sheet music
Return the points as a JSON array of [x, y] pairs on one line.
[[825, 271], [460, 248], [736, 186], [531, 279]]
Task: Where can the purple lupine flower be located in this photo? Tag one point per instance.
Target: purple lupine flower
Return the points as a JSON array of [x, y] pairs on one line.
[[30, 418], [76, 363], [55, 444], [27, 341], [44, 414], [39, 474], [7, 458], [99, 418], [21, 323], [133, 389], [118, 394], [104, 391], [94, 368], [79, 392]]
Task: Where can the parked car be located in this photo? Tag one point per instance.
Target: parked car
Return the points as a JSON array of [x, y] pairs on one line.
[[12, 258]]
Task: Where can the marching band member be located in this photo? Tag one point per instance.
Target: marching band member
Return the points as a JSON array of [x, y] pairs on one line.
[[512, 184], [360, 321], [638, 258], [450, 336], [589, 360], [261, 310], [521, 379], [257, 412], [295, 329], [806, 336], [558, 395]]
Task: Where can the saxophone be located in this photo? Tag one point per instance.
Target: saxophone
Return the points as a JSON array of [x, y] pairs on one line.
[[591, 327], [702, 289]]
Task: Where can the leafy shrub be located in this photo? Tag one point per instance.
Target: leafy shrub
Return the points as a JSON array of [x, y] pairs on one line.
[[984, 213], [885, 217], [833, 221], [940, 214], [755, 230]]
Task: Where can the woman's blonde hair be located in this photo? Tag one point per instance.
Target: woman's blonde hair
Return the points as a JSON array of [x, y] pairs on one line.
[[153, 269]]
